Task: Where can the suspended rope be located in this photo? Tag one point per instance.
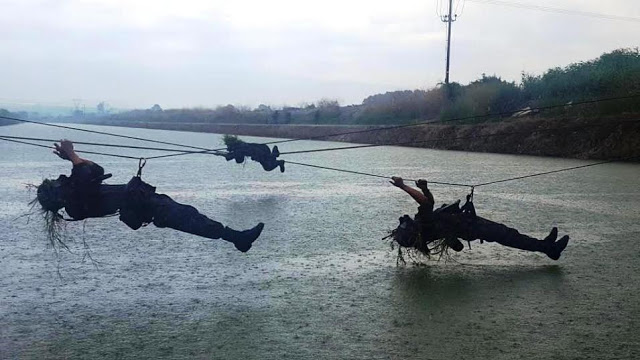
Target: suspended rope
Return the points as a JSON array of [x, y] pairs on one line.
[[431, 122], [103, 133], [142, 161], [371, 175], [414, 142], [556, 171], [106, 145], [399, 143], [472, 186], [205, 150], [2, 137]]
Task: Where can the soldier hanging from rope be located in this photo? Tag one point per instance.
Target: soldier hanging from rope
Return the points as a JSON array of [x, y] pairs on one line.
[[83, 195], [434, 231], [239, 150]]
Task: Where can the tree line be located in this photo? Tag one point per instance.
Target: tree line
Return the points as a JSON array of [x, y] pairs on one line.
[[616, 73]]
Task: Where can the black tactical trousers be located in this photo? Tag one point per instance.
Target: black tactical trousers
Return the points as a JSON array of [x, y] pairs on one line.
[[169, 213], [472, 228]]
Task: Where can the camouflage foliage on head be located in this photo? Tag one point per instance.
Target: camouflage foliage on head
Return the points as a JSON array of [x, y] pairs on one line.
[[49, 195], [49, 200], [231, 140]]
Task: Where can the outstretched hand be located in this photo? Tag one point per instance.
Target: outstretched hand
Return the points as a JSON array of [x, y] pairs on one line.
[[422, 184], [64, 150], [397, 181]]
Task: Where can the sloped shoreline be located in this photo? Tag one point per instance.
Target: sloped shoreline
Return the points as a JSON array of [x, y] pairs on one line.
[[610, 138]]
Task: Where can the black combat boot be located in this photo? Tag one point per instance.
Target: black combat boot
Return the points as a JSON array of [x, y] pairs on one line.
[[553, 235], [557, 247], [242, 240]]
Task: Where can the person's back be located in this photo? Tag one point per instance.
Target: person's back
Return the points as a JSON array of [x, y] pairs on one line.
[[86, 195]]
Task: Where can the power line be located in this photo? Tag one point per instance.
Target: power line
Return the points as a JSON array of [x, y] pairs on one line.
[[458, 5], [557, 10]]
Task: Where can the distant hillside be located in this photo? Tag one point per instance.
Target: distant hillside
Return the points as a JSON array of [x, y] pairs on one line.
[[5, 112]]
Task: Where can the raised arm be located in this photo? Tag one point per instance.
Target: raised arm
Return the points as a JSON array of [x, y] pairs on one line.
[[65, 151], [423, 185], [419, 197]]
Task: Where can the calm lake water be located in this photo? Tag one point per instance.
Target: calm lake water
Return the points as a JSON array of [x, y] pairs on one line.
[[320, 282]]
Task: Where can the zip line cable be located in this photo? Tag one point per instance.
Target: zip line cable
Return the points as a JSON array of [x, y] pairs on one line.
[[102, 144], [428, 122], [15, 140], [80, 151], [413, 142], [372, 175], [555, 171], [557, 10], [103, 133], [204, 150], [472, 186], [288, 162]]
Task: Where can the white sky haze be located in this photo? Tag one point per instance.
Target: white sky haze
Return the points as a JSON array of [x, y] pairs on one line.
[[190, 53]]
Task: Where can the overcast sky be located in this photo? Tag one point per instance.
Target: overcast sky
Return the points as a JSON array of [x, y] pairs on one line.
[[134, 53]]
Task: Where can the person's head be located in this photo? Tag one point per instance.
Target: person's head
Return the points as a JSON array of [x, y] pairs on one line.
[[406, 233], [51, 198], [50, 194]]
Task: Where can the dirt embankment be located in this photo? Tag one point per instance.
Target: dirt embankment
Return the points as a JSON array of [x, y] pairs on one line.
[[610, 138]]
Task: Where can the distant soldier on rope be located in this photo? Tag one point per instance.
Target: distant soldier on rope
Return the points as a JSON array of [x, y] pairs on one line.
[[83, 195], [239, 150], [433, 231]]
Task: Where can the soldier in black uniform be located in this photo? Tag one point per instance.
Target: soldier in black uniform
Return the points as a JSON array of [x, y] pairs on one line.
[[261, 153], [453, 223], [83, 195]]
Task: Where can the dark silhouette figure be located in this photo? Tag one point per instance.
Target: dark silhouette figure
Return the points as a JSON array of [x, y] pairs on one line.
[[452, 223], [239, 150], [83, 195]]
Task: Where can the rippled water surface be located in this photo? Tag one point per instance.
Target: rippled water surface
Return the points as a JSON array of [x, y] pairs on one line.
[[320, 282]]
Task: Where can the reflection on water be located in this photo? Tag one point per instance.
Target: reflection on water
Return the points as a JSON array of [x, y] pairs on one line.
[[319, 280]]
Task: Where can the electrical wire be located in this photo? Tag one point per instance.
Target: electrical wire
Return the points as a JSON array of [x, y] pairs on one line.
[[557, 10]]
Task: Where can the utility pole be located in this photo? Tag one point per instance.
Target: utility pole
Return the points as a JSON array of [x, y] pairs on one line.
[[449, 19]]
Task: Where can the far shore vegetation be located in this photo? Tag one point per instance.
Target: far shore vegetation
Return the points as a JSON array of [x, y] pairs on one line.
[[613, 74]]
